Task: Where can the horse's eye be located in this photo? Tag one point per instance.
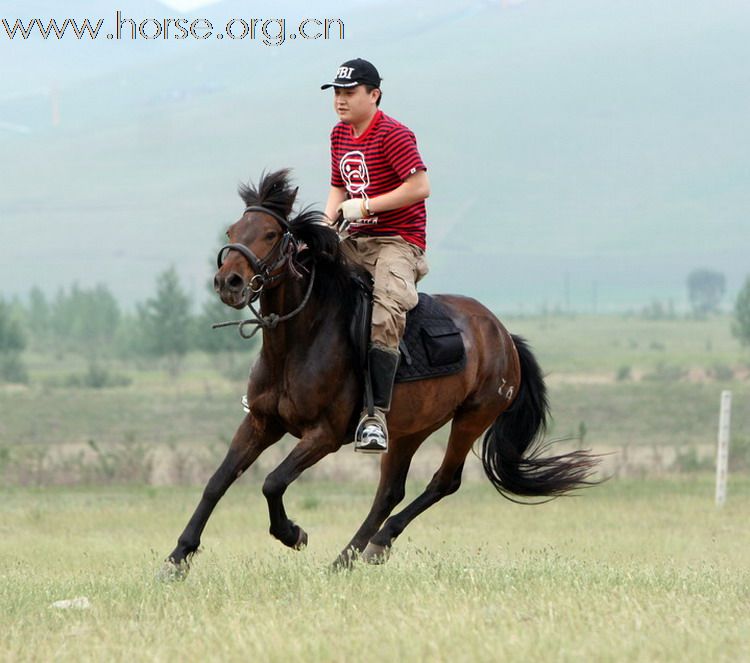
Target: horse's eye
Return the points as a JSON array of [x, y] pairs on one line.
[[271, 235]]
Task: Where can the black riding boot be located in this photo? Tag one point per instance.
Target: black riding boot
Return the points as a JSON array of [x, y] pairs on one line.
[[372, 431]]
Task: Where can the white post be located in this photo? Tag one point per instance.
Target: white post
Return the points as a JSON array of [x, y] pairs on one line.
[[722, 450]]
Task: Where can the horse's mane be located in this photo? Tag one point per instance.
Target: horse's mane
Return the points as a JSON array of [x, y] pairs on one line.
[[273, 191], [334, 274]]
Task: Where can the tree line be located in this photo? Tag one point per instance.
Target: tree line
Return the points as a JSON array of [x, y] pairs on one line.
[[90, 322]]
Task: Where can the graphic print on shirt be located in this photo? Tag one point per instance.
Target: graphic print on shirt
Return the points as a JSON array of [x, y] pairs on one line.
[[356, 177], [354, 173]]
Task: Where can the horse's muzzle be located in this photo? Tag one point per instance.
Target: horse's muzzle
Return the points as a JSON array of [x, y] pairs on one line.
[[231, 288]]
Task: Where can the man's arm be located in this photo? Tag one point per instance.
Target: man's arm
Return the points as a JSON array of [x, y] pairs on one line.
[[414, 189], [336, 196]]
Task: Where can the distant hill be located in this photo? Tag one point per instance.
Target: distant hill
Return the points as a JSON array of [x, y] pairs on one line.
[[584, 154]]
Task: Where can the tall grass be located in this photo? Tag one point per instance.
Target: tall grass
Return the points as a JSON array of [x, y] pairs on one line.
[[628, 571]]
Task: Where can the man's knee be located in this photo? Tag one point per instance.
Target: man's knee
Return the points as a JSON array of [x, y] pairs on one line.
[[387, 326], [395, 285]]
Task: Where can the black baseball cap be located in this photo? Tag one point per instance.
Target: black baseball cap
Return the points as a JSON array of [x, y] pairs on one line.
[[355, 72]]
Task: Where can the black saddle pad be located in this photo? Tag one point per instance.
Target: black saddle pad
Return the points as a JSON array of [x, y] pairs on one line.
[[432, 345]]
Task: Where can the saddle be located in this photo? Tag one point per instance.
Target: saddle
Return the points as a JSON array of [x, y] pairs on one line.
[[431, 347]]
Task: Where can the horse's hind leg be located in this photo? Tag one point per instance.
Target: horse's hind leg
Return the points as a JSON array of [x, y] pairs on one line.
[[251, 438], [394, 467], [464, 431]]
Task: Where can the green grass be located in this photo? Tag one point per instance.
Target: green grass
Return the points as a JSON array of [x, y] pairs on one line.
[[602, 344], [207, 413], [198, 412], [646, 414], [629, 571]]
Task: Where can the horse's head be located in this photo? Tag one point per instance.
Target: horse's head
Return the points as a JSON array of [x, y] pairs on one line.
[[260, 244], [256, 256]]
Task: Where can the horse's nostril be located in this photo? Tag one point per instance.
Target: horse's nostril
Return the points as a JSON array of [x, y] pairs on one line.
[[235, 282]]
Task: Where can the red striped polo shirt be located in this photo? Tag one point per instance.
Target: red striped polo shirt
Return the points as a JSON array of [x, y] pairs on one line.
[[374, 163]]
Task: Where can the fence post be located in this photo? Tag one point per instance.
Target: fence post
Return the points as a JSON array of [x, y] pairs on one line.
[[722, 448]]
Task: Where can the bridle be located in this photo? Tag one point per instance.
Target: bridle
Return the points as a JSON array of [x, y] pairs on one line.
[[264, 268], [269, 271]]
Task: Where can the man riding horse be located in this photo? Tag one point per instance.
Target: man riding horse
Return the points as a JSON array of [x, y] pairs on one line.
[[378, 188], [298, 270]]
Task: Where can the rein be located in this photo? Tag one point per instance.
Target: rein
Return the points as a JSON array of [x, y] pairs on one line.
[[269, 321], [266, 275]]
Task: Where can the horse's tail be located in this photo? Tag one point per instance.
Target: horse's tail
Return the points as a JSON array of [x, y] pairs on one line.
[[513, 447]]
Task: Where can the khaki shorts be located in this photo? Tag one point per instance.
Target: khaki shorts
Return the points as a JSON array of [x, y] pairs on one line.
[[395, 266]]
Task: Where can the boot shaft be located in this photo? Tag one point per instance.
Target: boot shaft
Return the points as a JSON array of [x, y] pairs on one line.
[[383, 364]]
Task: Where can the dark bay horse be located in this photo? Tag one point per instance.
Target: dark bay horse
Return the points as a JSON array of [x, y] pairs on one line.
[[304, 383]]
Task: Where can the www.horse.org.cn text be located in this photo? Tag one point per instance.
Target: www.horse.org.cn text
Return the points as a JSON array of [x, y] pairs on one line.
[[268, 31]]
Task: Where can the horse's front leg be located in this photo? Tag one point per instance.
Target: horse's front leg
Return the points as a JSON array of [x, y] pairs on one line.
[[252, 437], [314, 445]]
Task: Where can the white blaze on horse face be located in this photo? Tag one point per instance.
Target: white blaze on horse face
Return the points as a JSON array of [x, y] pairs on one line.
[[354, 172]]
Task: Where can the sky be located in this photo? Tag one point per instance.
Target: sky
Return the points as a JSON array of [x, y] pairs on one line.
[[585, 154]]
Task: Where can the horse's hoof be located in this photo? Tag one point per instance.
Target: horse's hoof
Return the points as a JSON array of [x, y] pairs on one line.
[[345, 560], [301, 539], [172, 571], [375, 554]]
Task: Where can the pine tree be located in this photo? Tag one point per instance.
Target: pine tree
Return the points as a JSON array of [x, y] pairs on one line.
[[705, 290], [741, 325], [12, 343], [165, 321]]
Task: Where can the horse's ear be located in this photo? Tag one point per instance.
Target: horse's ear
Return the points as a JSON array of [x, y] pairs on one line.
[[292, 199]]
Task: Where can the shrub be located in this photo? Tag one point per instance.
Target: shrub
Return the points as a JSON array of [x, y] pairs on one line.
[[722, 372], [739, 454], [624, 373], [12, 369], [96, 377], [689, 461]]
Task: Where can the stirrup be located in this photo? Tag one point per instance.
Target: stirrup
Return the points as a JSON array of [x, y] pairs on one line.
[[371, 436]]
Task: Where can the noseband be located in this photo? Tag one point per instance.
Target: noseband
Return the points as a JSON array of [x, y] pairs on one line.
[[264, 268]]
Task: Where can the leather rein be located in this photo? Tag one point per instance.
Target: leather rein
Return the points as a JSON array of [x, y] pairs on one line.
[[269, 271]]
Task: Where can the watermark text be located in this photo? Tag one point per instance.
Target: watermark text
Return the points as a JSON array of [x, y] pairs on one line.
[[268, 31]]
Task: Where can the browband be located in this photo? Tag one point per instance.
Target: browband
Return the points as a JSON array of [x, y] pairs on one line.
[[258, 208]]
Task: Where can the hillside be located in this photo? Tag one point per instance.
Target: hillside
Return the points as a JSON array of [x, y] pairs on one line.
[[589, 153]]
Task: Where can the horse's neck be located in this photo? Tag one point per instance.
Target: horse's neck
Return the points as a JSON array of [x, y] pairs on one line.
[[290, 337]]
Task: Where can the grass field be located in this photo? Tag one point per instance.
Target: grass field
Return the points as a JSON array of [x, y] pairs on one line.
[[602, 344], [628, 571], [645, 389], [633, 570]]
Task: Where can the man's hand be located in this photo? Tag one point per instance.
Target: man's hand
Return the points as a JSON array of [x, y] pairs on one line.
[[353, 209]]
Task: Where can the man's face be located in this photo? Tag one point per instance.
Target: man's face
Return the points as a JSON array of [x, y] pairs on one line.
[[354, 104]]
